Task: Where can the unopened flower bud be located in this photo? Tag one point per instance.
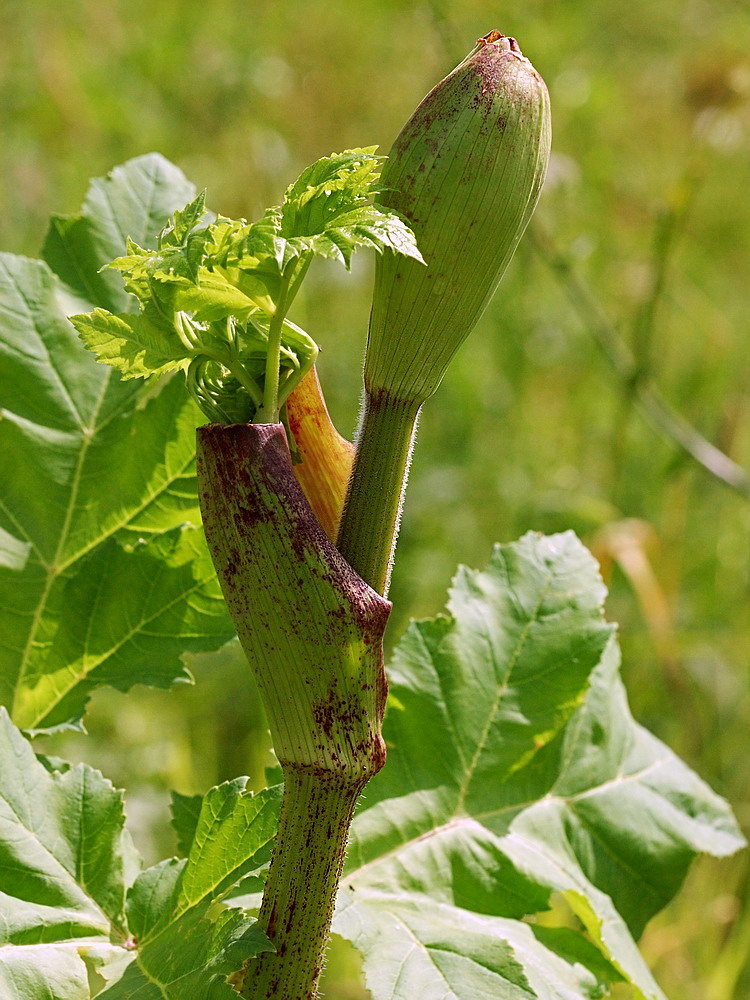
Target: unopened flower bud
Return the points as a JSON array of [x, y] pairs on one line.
[[466, 171]]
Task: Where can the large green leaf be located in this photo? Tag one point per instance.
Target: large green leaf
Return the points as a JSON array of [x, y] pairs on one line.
[[516, 771], [415, 947], [190, 961], [90, 459], [133, 201], [73, 908], [617, 820], [65, 866], [185, 951], [220, 852], [127, 616]]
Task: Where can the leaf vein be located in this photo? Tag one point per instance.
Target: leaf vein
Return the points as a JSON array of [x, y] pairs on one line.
[[501, 689]]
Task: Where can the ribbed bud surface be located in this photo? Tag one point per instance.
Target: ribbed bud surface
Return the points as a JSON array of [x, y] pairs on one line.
[[466, 170]]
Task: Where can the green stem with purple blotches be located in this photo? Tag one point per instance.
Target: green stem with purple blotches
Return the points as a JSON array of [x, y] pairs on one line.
[[313, 637]]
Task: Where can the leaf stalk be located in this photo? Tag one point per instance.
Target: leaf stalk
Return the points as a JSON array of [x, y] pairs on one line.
[[268, 412]]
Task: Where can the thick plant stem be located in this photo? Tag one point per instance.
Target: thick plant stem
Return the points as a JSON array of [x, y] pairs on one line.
[[300, 892], [313, 633], [369, 524]]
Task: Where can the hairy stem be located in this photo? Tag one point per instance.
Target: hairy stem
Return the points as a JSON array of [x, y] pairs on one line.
[[300, 892], [369, 524]]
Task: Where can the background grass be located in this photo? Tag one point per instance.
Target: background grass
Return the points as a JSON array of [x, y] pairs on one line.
[[533, 428]]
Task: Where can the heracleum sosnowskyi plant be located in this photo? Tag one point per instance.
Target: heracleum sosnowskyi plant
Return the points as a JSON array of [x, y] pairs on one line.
[[213, 300], [516, 771], [467, 171]]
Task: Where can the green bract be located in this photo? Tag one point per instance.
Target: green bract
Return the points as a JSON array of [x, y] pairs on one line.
[[214, 294], [466, 171]]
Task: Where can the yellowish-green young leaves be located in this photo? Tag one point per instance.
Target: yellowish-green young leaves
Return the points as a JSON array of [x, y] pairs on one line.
[[214, 292]]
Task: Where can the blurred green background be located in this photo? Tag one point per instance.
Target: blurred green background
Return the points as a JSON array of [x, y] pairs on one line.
[[647, 217]]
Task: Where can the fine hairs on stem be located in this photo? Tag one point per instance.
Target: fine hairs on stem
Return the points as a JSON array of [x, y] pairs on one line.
[[384, 575], [374, 501]]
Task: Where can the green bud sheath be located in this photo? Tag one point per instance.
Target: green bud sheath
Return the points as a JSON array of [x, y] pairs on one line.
[[466, 171]]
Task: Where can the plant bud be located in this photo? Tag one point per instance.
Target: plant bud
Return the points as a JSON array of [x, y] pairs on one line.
[[466, 171]]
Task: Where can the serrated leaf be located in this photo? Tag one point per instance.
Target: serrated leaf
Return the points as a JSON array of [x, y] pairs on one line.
[[131, 344], [65, 865], [327, 211], [256, 246], [151, 897], [190, 961], [204, 287], [618, 825], [173, 278], [221, 852], [64, 852], [183, 952], [508, 735], [133, 200], [367, 226], [185, 812], [420, 948], [211, 298], [500, 674], [183, 222], [89, 458], [627, 805], [329, 187], [129, 614], [233, 835]]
